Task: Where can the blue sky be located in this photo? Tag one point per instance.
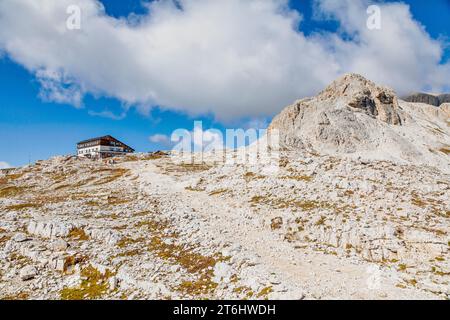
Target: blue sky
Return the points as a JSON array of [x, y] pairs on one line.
[[33, 128]]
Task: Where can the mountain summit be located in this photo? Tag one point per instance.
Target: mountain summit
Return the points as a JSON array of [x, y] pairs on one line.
[[355, 91], [356, 117]]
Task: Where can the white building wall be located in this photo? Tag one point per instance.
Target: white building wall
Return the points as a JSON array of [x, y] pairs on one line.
[[95, 151], [90, 151]]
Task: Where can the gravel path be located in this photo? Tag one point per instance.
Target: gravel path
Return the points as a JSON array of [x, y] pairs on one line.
[[297, 272]]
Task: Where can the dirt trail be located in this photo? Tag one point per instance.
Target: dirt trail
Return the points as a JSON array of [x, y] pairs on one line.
[[316, 275]]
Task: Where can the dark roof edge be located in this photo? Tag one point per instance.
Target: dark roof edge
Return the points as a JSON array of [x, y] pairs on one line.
[[93, 139], [105, 137]]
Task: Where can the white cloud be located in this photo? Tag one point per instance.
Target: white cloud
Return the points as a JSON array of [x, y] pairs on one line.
[[56, 87], [108, 114], [401, 54], [234, 58], [160, 139], [4, 165]]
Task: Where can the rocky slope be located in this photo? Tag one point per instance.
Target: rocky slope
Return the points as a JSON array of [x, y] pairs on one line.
[[352, 212], [354, 117]]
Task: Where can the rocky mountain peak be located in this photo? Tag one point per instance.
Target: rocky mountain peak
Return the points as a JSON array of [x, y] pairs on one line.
[[357, 92], [358, 117]]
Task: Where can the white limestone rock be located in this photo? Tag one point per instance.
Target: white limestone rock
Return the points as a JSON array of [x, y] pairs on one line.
[[28, 273]]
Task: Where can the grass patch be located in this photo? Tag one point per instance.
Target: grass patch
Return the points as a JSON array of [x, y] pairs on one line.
[[14, 176], [244, 290], [94, 285], [77, 184], [113, 175], [153, 225], [276, 223], [194, 167], [252, 176], [299, 178], [349, 193], [78, 234], [150, 156], [305, 205], [19, 260], [218, 192], [11, 191], [18, 296], [412, 282], [198, 265], [417, 201], [440, 273], [130, 158], [130, 253], [437, 232], [116, 200], [189, 188], [155, 155], [202, 286], [321, 221], [125, 242], [185, 168], [191, 261], [402, 267], [22, 206], [265, 292], [4, 238], [92, 203]]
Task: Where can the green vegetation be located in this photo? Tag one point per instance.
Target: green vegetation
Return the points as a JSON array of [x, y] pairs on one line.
[[321, 221], [218, 192], [299, 178], [189, 188], [22, 206], [185, 257], [244, 290], [276, 223], [248, 176], [304, 205], [265, 292], [11, 191], [402, 267], [130, 253], [113, 175], [4, 238], [125, 242], [202, 286], [94, 285]]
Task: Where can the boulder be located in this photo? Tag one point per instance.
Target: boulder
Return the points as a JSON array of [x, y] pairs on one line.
[[28, 273], [59, 245], [20, 237]]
